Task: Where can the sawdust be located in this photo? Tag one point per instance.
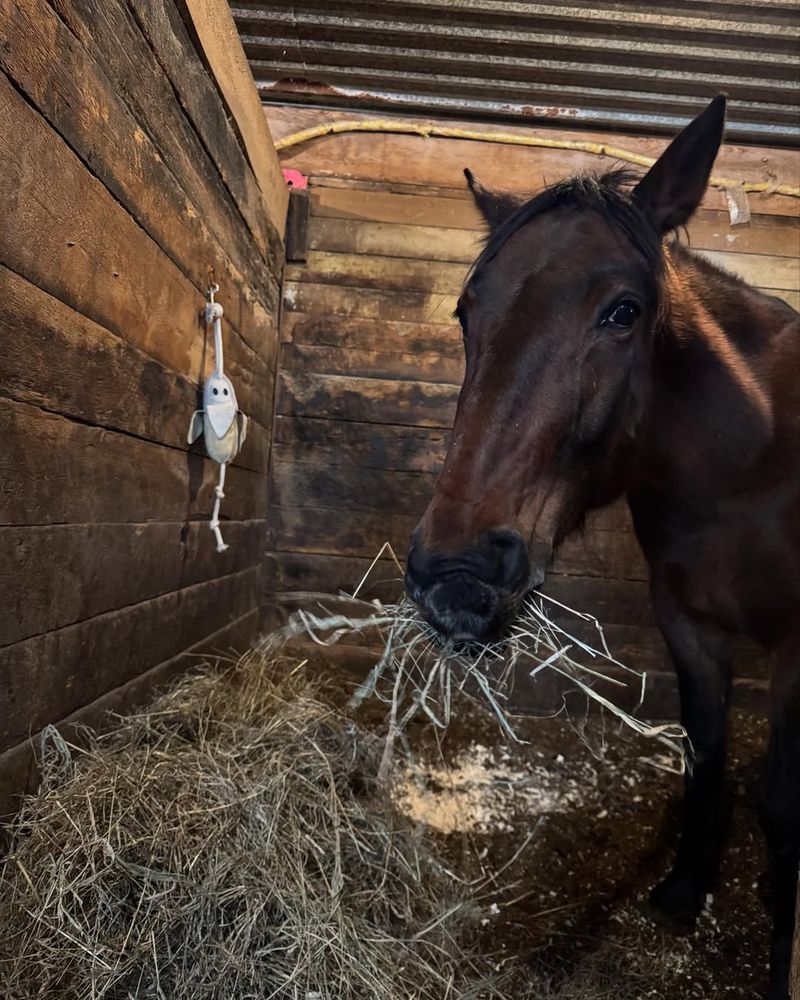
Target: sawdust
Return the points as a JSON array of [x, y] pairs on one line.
[[481, 792]]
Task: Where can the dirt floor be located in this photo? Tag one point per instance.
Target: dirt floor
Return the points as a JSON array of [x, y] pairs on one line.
[[601, 820]]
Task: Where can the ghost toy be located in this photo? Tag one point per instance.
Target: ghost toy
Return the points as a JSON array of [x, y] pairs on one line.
[[221, 422]]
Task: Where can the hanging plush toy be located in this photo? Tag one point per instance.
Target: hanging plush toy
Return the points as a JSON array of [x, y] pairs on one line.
[[221, 422]]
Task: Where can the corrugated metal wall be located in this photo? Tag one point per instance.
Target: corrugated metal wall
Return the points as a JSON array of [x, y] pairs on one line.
[[631, 65]]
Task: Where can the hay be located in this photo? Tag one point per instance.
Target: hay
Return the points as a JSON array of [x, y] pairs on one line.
[[417, 674], [229, 842]]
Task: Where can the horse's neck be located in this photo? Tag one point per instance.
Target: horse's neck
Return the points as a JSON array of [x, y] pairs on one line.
[[713, 408]]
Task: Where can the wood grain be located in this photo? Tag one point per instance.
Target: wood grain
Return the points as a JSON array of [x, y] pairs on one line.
[[408, 159], [98, 260], [367, 210], [106, 651], [63, 362], [56, 575], [76, 96], [144, 60], [54, 470]]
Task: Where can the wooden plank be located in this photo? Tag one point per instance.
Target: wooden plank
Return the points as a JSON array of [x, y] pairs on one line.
[[54, 70], [189, 79], [100, 567], [405, 306], [447, 278], [18, 768], [781, 273], [768, 235], [217, 35], [114, 36], [333, 531], [411, 159], [339, 397], [101, 379], [83, 247], [344, 487], [307, 440], [297, 222], [792, 298], [420, 209], [710, 230], [393, 240], [362, 334], [52, 675], [430, 367], [379, 272], [54, 470]]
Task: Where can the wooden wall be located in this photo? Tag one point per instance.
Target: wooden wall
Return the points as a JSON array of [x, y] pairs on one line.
[[371, 361], [123, 180]]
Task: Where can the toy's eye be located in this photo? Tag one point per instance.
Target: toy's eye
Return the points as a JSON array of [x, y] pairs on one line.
[[216, 392], [225, 392]]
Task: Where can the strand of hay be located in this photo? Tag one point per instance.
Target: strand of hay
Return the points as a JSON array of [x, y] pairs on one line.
[[227, 843], [417, 674]]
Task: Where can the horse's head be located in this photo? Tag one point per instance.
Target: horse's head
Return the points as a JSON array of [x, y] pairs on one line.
[[559, 316]]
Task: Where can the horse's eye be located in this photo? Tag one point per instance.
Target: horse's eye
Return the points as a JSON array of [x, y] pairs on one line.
[[622, 315]]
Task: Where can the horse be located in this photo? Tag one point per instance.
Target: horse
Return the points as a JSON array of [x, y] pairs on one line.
[[606, 359]]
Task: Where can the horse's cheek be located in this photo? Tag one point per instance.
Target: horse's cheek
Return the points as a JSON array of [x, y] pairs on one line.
[[602, 382]]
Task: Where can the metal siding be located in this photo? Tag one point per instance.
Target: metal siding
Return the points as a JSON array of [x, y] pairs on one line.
[[629, 65]]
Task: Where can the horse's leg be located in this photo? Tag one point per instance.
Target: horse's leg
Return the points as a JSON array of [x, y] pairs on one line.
[[780, 808], [701, 656]]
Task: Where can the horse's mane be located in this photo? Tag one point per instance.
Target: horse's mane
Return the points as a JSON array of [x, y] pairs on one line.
[[607, 194]]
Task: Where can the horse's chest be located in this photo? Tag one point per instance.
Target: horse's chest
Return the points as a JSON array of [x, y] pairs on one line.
[[738, 567]]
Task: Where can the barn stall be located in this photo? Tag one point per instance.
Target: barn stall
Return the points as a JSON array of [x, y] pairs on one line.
[[139, 168]]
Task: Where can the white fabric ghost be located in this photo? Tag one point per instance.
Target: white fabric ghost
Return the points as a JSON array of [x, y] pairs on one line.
[[221, 422]]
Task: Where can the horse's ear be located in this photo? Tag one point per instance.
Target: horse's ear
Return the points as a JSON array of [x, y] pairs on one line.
[[494, 206], [674, 186]]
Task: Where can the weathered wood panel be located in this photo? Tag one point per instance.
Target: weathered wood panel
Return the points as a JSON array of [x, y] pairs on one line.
[[54, 470], [125, 189], [404, 306], [75, 95], [601, 552], [447, 278], [442, 369], [65, 363], [357, 487], [372, 334], [407, 159], [145, 59], [340, 397], [82, 247], [362, 211], [56, 575], [111, 649]]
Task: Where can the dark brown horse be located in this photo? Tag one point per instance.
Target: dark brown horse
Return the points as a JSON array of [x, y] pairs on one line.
[[603, 359]]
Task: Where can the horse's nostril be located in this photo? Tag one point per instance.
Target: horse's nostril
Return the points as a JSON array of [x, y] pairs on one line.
[[512, 566]]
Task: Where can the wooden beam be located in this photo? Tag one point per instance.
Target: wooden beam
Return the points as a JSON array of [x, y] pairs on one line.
[[217, 34], [57, 575], [59, 471], [51, 675], [62, 362]]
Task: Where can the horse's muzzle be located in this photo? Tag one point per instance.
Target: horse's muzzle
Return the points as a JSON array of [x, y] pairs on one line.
[[473, 594]]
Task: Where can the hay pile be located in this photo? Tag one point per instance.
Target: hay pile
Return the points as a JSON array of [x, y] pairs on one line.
[[228, 843]]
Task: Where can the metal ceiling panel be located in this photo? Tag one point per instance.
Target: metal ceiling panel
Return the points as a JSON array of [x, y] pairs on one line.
[[627, 65]]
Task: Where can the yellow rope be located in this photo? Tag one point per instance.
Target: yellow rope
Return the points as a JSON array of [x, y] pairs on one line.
[[508, 138]]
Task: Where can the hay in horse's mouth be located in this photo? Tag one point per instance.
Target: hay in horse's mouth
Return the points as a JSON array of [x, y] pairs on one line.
[[418, 674]]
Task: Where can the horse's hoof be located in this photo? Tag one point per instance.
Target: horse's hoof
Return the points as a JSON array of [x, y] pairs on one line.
[[680, 899]]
